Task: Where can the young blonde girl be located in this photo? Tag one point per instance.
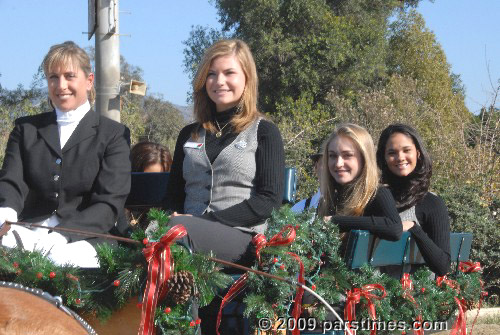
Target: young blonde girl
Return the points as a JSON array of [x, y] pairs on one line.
[[352, 196]]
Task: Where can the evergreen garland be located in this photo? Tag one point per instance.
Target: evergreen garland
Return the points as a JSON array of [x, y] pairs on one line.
[[318, 244], [121, 275]]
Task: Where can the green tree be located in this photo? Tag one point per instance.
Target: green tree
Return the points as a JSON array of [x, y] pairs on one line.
[[163, 121], [305, 46], [414, 52]]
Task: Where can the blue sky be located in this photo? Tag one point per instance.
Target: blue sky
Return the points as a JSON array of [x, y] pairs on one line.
[[469, 33]]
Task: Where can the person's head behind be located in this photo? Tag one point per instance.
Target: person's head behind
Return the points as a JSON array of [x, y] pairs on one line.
[[221, 66], [318, 164], [317, 160], [150, 157], [349, 169], [405, 164], [69, 76]]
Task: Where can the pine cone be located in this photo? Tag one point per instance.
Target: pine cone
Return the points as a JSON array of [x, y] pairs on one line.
[[180, 285]]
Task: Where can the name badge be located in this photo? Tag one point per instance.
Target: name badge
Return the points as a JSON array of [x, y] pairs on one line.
[[193, 145]]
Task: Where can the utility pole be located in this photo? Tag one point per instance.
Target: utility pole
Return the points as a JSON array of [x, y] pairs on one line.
[[107, 59]]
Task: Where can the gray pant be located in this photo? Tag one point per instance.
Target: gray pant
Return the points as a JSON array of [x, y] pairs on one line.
[[227, 243]]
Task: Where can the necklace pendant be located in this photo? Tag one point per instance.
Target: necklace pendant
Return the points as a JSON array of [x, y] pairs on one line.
[[218, 134]]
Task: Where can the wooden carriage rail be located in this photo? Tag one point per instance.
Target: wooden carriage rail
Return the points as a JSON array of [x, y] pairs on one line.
[[148, 189]]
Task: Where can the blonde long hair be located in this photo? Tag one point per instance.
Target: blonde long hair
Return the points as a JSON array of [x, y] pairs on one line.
[[360, 191], [203, 105], [65, 54]]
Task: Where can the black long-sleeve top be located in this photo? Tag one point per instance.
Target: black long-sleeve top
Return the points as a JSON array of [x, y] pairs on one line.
[[433, 234], [380, 217], [270, 165]]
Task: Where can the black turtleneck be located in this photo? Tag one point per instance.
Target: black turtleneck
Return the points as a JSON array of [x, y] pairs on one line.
[[270, 166]]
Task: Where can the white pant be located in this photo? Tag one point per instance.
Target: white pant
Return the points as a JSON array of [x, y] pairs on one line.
[[54, 245]]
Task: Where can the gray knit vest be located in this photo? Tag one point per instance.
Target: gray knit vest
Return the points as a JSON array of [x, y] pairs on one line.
[[228, 181]]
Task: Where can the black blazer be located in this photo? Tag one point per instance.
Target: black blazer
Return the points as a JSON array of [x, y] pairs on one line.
[[85, 184]]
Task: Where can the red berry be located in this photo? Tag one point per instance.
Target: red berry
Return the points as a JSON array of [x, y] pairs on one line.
[[282, 266], [78, 301], [198, 321], [16, 264], [275, 260], [313, 287], [422, 289], [168, 310], [39, 275], [145, 241], [192, 323], [403, 333], [139, 305], [297, 227], [52, 275], [116, 283]]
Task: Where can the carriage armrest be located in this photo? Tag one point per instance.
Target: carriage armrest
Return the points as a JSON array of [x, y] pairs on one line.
[[365, 248]]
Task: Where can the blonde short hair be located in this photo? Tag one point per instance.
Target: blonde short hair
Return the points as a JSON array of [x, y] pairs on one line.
[[203, 105], [360, 191], [65, 54]]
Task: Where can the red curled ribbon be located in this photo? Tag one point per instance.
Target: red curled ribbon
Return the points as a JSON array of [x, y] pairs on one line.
[[354, 297], [469, 267], [297, 307], [157, 255], [459, 326], [235, 289], [407, 285], [260, 242]]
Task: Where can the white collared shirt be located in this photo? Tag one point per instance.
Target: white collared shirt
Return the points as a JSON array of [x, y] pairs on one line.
[[68, 121]]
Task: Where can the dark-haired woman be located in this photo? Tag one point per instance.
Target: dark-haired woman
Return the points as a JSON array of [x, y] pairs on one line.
[[150, 157], [407, 169], [145, 157]]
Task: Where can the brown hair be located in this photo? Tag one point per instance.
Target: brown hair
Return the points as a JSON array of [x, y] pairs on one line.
[[360, 191], [68, 53], [144, 154], [203, 105]]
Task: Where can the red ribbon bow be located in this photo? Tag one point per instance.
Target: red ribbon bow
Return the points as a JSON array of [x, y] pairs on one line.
[[469, 267], [157, 255], [450, 283], [354, 297], [407, 285], [260, 242]]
